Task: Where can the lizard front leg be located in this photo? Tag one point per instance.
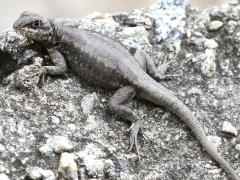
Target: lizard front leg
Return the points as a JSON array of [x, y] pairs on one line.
[[116, 104], [59, 62], [147, 64]]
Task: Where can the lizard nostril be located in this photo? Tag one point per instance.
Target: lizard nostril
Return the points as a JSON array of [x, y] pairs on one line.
[[16, 25]]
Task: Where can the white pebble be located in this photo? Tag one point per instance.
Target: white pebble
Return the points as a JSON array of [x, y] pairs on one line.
[[229, 129], [215, 25], [237, 147], [68, 167], [57, 144], [210, 43], [4, 177]]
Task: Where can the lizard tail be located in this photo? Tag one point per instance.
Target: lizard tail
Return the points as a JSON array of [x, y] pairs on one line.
[[161, 96], [198, 130]]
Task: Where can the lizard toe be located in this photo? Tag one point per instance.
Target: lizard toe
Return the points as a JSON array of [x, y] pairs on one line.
[[41, 75], [135, 129]]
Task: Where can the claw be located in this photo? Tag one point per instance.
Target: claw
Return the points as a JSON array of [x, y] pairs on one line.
[[135, 129], [144, 135], [41, 75]]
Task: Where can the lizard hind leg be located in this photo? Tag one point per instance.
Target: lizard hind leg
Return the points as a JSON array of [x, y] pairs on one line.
[[147, 64], [116, 104]]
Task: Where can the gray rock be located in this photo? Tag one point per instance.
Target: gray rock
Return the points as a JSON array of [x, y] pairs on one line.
[[169, 18], [89, 102], [103, 23], [26, 77], [57, 144], [138, 37], [95, 164], [215, 25], [229, 129], [138, 18], [12, 42], [37, 173]]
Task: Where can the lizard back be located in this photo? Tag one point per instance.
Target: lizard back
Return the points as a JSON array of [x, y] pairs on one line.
[[96, 58]]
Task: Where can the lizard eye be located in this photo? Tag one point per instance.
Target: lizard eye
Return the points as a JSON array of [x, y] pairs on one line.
[[36, 24]]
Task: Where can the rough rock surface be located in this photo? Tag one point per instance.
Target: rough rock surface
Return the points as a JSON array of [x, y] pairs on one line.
[[210, 85]]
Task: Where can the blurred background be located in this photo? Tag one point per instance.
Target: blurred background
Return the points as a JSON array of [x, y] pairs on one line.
[[10, 9]]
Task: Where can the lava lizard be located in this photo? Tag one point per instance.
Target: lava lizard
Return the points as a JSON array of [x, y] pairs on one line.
[[108, 64]]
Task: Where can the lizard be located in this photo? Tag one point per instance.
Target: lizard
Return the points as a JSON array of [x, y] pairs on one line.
[[108, 64]]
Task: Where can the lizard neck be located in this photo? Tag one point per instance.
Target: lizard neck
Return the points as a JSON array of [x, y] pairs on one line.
[[54, 37]]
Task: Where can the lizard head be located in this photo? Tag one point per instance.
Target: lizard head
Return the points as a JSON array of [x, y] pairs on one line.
[[34, 26]]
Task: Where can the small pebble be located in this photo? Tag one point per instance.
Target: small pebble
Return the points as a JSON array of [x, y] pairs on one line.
[[215, 171], [46, 150], [229, 129], [208, 166], [68, 167], [208, 65], [55, 120], [215, 25], [57, 144], [4, 177], [104, 99], [210, 43], [237, 147], [36, 173], [89, 102], [2, 148]]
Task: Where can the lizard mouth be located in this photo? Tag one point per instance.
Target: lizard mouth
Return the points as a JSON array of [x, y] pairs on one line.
[[25, 31]]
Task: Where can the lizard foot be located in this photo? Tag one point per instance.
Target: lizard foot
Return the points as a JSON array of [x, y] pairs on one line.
[[41, 75], [135, 129]]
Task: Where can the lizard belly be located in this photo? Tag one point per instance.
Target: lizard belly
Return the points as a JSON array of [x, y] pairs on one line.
[[93, 69]]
